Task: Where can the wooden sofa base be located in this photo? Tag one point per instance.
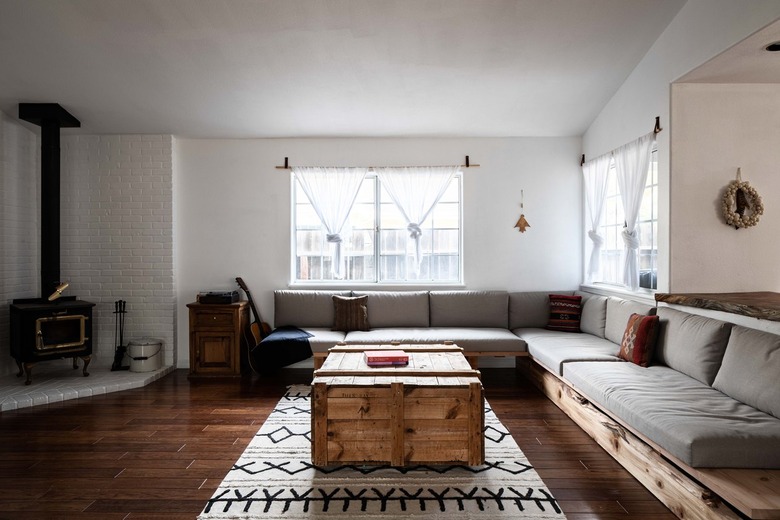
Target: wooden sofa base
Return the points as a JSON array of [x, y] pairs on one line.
[[689, 493], [471, 357]]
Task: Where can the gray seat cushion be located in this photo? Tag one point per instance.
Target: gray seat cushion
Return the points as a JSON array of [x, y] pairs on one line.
[[470, 339], [323, 339], [305, 308], [691, 344], [552, 348], [396, 308], [750, 369], [691, 420], [469, 309], [618, 312]]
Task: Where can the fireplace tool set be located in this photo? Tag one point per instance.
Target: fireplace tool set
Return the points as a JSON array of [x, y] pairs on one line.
[[120, 309]]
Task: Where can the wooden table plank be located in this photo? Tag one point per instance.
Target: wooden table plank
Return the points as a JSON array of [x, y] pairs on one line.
[[319, 424], [397, 451]]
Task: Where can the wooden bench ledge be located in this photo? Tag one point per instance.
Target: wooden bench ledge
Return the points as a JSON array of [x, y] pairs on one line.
[[690, 493], [755, 492]]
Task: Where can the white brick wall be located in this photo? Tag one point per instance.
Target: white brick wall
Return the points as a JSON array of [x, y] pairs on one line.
[[19, 220], [117, 234]]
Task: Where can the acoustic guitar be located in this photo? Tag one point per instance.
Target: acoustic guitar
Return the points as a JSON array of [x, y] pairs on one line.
[[258, 328]]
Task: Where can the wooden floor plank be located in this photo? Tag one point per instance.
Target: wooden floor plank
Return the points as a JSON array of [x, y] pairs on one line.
[[159, 452]]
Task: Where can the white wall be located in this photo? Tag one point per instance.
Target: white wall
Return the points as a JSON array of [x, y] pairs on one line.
[[718, 128], [19, 223], [701, 30], [233, 210]]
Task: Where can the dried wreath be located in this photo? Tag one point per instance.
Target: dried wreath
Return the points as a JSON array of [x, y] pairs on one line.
[[739, 197]]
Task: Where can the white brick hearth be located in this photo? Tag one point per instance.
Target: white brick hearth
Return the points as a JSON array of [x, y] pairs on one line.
[[55, 381]]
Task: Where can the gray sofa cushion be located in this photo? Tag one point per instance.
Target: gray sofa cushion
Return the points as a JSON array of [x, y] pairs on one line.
[[552, 348], [750, 369], [594, 314], [323, 339], [396, 308], [691, 344], [469, 309], [530, 309], [618, 312], [305, 308], [470, 339], [694, 422]]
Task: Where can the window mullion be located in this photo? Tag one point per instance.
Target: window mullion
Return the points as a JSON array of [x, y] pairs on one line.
[[377, 230]]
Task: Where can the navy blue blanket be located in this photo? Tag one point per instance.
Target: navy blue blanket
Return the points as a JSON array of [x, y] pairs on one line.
[[282, 347]]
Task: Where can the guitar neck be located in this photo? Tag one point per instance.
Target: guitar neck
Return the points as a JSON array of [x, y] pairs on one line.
[[254, 310], [256, 314]]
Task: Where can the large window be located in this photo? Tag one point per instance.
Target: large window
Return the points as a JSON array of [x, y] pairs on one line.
[[375, 241], [612, 227]]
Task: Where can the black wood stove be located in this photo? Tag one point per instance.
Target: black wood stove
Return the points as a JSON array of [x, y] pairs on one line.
[[50, 327]]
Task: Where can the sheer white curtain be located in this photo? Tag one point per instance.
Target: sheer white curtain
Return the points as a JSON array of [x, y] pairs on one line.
[[332, 193], [415, 192], [632, 162], [595, 176]]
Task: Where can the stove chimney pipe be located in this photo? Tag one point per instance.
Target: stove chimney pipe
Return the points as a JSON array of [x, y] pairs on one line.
[[50, 117]]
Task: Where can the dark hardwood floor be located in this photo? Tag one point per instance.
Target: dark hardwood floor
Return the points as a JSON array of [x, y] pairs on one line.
[[159, 452]]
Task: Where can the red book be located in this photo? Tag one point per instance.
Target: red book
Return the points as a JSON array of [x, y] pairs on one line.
[[387, 363], [386, 356]]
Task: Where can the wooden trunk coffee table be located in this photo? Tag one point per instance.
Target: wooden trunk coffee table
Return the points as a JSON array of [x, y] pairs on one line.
[[429, 412]]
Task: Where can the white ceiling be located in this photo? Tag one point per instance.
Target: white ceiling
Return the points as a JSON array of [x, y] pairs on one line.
[[745, 62], [306, 68]]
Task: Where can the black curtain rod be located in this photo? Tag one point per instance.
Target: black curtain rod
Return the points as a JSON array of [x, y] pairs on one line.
[[656, 130], [466, 165]]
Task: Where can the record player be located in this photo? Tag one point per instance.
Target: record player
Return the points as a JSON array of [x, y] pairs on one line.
[[218, 297]]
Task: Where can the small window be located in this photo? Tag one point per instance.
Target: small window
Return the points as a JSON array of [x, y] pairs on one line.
[[647, 224], [375, 241]]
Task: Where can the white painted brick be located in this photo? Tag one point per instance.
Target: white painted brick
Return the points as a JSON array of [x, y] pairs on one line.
[[19, 220], [117, 186]]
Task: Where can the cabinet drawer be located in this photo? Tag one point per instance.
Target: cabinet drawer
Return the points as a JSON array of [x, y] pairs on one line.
[[213, 320]]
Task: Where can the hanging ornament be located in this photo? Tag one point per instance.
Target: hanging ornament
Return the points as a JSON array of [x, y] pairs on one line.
[[742, 205], [522, 224]]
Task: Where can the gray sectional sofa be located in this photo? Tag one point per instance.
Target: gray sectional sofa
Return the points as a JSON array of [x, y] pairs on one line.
[[711, 398], [478, 321]]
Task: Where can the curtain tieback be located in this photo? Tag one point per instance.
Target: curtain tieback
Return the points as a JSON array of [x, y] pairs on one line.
[[414, 230], [597, 239], [333, 238], [631, 239]]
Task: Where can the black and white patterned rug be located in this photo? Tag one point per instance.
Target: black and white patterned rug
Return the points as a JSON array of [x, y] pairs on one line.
[[274, 479]]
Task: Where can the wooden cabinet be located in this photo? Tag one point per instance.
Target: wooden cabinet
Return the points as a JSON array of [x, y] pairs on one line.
[[217, 339]]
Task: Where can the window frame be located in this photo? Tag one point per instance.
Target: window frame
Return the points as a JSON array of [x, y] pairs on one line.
[[651, 183], [377, 281]]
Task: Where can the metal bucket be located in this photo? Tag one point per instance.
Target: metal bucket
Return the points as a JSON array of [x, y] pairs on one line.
[[145, 354]]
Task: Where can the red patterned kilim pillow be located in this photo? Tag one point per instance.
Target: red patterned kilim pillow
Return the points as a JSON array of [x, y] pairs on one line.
[[565, 313], [639, 339]]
